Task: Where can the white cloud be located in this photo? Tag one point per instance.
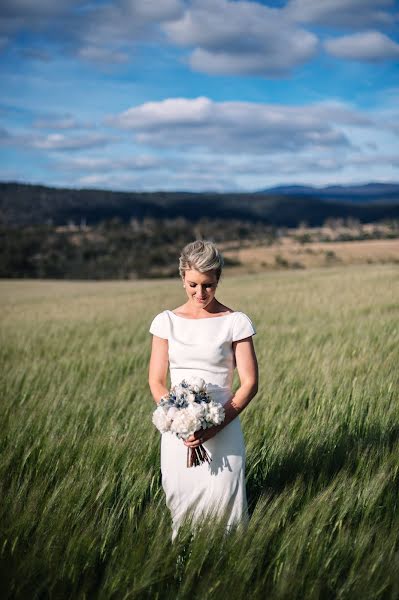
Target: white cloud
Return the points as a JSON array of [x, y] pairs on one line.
[[54, 141], [172, 180], [235, 127], [97, 179], [59, 141], [342, 13], [172, 111], [226, 167], [370, 160], [243, 173], [244, 38], [371, 46], [109, 164]]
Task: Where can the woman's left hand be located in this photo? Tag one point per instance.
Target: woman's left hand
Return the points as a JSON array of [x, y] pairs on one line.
[[201, 436]]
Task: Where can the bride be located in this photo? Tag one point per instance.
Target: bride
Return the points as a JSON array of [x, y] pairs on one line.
[[204, 338]]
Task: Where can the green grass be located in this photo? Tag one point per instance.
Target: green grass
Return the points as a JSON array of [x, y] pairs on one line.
[[82, 512]]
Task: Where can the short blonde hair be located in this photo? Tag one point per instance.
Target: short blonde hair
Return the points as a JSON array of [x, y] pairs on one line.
[[202, 256]]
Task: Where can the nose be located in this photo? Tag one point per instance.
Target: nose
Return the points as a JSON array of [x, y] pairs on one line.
[[201, 293]]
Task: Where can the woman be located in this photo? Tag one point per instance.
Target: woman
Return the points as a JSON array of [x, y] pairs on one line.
[[207, 339]]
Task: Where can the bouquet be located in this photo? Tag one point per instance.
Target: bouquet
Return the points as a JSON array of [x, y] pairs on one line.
[[187, 408]]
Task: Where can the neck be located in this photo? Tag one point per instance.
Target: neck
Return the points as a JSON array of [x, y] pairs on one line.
[[212, 307]]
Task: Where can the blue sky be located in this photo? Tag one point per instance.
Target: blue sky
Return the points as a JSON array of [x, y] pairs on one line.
[[199, 94]]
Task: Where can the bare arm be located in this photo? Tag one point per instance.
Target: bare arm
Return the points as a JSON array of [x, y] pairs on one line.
[[247, 367], [158, 368]]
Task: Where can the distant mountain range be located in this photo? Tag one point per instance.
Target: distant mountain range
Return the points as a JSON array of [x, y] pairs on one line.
[[286, 206], [369, 192]]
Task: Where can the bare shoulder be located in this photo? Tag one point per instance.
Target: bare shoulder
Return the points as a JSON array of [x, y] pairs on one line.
[[179, 310], [222, 308]]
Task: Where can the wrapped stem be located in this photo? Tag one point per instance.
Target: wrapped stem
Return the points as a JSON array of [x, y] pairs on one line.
[[197, 456]]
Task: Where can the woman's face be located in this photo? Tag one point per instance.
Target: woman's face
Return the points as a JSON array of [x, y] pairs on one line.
[[200, 287]]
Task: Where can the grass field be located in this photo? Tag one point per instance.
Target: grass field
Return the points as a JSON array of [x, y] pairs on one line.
[[289, 252], [82, 509]]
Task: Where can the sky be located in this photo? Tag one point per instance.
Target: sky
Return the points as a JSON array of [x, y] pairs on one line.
[[199, 95]]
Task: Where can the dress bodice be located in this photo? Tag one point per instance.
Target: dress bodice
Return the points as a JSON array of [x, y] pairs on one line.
[[202, 347]]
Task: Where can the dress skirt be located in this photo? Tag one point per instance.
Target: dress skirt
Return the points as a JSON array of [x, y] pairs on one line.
[[217, 486]]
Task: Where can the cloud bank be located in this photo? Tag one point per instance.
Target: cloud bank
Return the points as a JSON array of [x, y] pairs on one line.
[[222, 94], [238, 38], [221, 37], [236, 127]]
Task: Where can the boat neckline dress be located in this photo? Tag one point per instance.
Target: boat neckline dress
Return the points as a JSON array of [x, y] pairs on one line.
[[203, 347], [226, 314]]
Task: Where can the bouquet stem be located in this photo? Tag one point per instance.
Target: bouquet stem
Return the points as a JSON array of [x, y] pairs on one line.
[[197, 456]]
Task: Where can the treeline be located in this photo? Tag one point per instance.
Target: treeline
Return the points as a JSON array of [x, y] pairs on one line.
[[133, 235], [114, 249], [23, 205]]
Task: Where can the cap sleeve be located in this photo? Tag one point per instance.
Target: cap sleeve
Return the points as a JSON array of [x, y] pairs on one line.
[[159, 326], [242, 327]]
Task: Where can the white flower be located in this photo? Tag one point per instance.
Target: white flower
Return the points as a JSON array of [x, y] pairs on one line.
[[184, 393], [185, 423], [198, 409], [190, 397], [172, 412], [197, 384], [161, 419], [180, 390], [215, 413]]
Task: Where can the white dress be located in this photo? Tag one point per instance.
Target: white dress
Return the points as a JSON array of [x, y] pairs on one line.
[[203, 348]]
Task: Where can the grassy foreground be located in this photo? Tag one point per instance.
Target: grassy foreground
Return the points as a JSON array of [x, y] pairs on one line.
[[82, 513]]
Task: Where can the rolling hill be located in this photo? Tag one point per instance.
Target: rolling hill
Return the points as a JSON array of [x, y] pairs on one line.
[[24, 204]]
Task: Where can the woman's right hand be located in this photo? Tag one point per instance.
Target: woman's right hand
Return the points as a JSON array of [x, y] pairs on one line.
[[201, 436]]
